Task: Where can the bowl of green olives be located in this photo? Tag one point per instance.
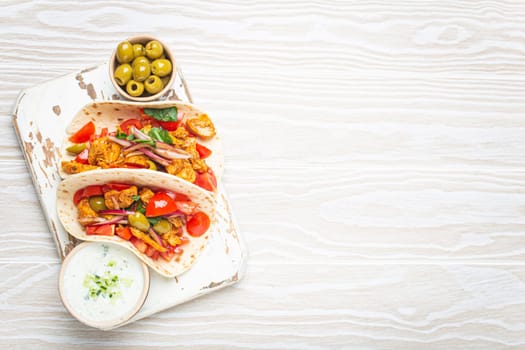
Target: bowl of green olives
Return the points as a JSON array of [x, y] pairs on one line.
[[142, 68]]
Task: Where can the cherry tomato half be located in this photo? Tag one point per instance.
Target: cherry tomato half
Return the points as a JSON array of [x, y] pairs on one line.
[[83, 157], [89, 191], [198, 224], [125, 125], [207, 181], [186, 207], [160, 204], [83, 134], [101, 230], [204, 152], [117, 186], [178, 196], [170, 126]]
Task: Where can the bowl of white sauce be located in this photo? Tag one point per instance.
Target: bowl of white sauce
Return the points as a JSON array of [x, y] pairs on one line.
[[102, 284]]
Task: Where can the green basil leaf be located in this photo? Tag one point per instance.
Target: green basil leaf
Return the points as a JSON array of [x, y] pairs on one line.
[[161, 135], [153, 221], [147, 142], [121, 135], [163, 114], [141, 208]]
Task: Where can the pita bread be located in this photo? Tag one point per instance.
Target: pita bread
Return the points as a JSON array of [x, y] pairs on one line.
[[110, 114], [68, 214]]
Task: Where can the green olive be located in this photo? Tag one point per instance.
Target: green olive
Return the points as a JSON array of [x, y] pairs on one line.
[[153, 84], [154, 49], [161, 67], [124, 52], [76, 148], [152, 165], [97, 203], [123, 74], [138, 50], [140, 59], [134, 88], [163, 226], [139, 221], [141, 71]]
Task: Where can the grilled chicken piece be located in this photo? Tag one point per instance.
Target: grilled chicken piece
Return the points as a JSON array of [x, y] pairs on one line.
[[145, 195], [198, 164], [172, 237], [183, 169], [176, 221], [105, 153], [86, 215], [125, 198], [138, 160], [201, 126], [73, 167], [146, 238], [120, 199]]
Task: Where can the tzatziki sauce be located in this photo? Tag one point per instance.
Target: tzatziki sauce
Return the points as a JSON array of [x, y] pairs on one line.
[[102, 284]]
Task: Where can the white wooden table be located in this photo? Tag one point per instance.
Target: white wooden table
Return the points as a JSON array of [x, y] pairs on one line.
[[374, 158]]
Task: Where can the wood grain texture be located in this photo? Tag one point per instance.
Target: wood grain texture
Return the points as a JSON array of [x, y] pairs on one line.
[[356, 307], [374, 161]]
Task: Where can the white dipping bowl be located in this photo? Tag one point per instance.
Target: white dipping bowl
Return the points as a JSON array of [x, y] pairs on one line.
[[103, 284]]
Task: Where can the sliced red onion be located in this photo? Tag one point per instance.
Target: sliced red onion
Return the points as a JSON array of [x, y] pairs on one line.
[[155, 236], [175, 214], [172, 154], [163, 145], [123, 143], [89, 221], [116, 212], [155, 157], [136, 146], [123, 222], [114, 220], [139, 134]]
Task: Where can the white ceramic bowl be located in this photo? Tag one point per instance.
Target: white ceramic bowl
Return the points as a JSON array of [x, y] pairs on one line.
[[102, 284], [113, 64]]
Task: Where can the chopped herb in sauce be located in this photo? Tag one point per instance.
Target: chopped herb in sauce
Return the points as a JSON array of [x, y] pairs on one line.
[[106, 286]]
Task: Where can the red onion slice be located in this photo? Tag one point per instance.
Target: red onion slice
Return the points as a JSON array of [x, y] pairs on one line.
[[172, 154], [155, 236], [116, 212], [123, 143], [139, 134], [115, 220], [156, 158]]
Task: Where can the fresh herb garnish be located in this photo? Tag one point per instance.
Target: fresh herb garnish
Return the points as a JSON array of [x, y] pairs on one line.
[[135, 198], [153, 221], [162, 114], [130, 137], [140, 207], [146, 142], [121, 135], [107, 286], [160, 134]]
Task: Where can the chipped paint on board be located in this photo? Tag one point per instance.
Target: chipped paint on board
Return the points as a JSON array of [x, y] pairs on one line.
[[56, 110], [91, 91]]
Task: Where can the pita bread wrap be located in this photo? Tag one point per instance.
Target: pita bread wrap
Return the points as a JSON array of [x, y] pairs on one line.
[[68, 212], [111, 114]]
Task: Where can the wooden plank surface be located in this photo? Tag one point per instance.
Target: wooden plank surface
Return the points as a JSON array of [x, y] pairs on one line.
[[374, 160]]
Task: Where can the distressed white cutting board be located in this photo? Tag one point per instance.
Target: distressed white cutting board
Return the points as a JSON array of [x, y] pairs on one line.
[[40, 117]]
